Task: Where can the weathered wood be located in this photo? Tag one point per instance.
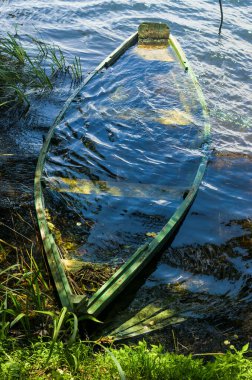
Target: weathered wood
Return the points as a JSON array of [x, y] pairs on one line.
[[114, 188], [153, 34]]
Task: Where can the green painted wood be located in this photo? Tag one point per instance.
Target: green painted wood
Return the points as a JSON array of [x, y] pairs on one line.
[[113, 287]]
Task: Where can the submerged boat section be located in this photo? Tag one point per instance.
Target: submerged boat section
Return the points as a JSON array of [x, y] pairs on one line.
[[127, 154]]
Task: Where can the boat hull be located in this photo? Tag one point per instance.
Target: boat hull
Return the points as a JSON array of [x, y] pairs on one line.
[[144, 254]]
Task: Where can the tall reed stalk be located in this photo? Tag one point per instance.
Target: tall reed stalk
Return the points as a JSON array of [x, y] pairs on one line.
[[21, 72]]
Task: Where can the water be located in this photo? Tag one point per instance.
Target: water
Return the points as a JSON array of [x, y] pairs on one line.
[[214, 243], [124, 155]]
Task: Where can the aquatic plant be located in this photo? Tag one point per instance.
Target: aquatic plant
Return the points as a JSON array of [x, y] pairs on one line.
[[22, 73]]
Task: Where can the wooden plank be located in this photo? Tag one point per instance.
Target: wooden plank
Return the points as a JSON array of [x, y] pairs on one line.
[[114, 188], [154, 34], [173, 117], [154, 54]]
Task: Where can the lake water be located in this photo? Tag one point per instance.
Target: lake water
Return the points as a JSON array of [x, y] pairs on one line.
[[209, 266], [124, 155]]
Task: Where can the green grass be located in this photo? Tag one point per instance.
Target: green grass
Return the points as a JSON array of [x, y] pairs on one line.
[[23, 289], [22, 74], [81, 360]]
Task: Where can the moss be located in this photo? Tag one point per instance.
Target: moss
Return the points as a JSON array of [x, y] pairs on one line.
[[66, 245]]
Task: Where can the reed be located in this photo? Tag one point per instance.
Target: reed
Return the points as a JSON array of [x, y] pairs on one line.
[[23, 289], [75, 69], [21, 72]]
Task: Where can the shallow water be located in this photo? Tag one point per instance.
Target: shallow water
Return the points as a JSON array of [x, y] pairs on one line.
[[124, 155], [214, 243]]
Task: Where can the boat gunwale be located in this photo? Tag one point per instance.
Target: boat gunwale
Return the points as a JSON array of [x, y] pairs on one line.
[[99, 301]]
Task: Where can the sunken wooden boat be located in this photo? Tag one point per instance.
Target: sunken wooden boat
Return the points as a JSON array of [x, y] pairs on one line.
[[108, 292]]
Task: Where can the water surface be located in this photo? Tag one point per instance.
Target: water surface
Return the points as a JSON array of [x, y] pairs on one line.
[[125, 154]]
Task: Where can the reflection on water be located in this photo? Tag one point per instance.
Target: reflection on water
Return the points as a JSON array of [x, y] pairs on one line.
[[92, 29], [128, 157]]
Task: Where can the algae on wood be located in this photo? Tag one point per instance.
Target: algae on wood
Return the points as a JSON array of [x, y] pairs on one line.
[[153, 34]]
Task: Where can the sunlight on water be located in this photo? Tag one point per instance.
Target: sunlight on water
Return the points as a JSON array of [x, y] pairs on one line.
[[130, 159]]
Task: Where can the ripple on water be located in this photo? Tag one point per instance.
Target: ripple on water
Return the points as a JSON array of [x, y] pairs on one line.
[[135, 138]]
